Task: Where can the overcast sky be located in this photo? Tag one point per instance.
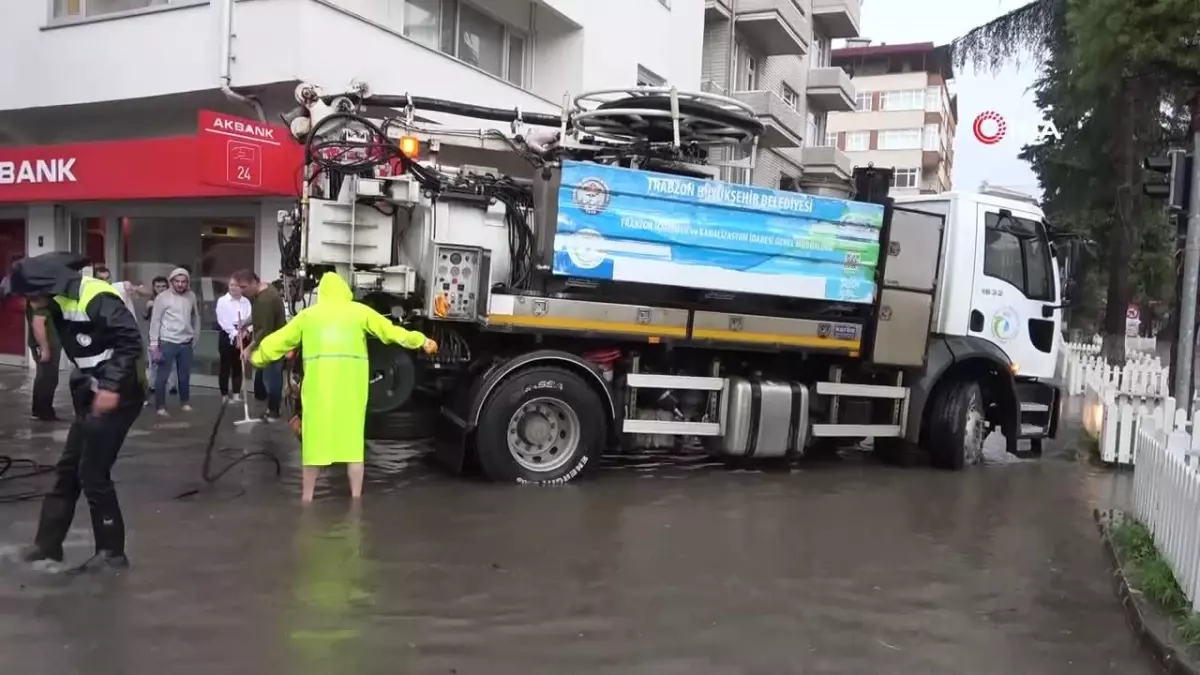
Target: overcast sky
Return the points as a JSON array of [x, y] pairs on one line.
[[940, 21]]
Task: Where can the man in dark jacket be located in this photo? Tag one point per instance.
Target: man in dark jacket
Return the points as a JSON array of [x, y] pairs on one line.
[[101, 337]]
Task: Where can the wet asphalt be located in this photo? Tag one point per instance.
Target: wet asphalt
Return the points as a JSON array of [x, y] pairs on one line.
[[659, 565]]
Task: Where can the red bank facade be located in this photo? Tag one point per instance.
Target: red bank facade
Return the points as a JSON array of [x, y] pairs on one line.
[[142, 207]]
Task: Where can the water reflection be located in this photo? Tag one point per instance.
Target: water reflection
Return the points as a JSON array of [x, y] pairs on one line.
[[329, 595]]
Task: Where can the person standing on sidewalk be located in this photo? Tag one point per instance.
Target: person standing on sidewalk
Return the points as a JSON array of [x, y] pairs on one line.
[[102, 339], [47, 352], [233, 311], [267, 316], [174, 327], [158, 286]]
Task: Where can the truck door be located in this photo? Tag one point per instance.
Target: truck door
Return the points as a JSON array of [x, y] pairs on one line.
[[1016, 290]]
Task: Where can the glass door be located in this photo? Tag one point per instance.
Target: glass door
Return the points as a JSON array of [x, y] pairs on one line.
[[12, 308]]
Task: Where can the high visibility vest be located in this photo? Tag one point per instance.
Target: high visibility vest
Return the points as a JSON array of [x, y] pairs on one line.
[[78, 334]]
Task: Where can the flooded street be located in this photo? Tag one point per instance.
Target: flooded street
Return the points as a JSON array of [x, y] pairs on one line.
[[660, 565]]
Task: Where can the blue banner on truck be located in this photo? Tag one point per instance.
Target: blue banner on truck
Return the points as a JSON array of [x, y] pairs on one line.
[[618, 224]]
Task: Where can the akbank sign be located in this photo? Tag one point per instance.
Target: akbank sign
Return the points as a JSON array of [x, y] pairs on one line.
[[990, 128]]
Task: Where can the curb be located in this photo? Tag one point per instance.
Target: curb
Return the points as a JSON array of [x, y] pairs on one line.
[[1172, 662]]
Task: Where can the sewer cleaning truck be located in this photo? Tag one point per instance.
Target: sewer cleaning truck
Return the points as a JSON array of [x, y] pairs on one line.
[[595, 287]]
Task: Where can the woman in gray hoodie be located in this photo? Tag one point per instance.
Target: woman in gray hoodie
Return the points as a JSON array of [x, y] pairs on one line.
[[174, 328]]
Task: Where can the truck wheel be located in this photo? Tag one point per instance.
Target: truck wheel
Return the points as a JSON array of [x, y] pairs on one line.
[[957, 426], [542, 425]]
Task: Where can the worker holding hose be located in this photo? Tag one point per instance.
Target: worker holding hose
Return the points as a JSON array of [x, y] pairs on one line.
[[332, 336], [101, 337]]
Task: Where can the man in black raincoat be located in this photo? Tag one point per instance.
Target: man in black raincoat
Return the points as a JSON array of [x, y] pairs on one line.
[[101, 337]]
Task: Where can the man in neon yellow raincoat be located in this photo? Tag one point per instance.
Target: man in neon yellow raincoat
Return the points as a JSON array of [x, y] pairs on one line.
[[332, 336]]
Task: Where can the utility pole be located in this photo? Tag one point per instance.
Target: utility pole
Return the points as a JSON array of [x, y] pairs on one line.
[[1185, 378], [1181, 189]]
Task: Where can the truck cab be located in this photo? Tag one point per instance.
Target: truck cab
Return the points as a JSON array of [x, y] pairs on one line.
[[998, 306]]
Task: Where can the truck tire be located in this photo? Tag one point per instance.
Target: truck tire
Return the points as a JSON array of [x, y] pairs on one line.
[[543, 425], [957, 426]]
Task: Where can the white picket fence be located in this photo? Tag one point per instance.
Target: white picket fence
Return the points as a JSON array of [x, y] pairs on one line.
[[1132, 344], [1166, 495], [1117, 399]]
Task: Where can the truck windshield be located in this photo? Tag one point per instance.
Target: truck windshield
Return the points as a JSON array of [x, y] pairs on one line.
[[1017, 251]]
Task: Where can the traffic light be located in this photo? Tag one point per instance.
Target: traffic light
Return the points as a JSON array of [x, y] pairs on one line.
[[1170, 179]]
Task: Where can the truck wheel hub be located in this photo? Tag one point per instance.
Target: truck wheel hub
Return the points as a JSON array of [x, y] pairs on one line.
[[543, 434]]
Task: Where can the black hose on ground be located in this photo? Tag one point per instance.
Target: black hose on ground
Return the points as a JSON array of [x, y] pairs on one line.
[[32, 469], [206, 470]]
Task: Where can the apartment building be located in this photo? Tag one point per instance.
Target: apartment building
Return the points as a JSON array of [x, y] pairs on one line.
[[776, 56], [117, 139], [904, 115]]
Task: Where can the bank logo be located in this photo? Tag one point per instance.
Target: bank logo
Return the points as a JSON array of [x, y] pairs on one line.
[[591, 196], [1006, 325]]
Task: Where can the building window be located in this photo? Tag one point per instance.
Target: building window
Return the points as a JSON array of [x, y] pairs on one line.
[[831, 139], [906, 178], [863, 101], [649, 78], [77, 9], [858, 141], [821, 52], [933, 99], [905, 99], [211, 249], [900, 139], [931, 138], [788, 183], [789, 97], [1015, 253], [814, 129], [466, 33], [746, 77]]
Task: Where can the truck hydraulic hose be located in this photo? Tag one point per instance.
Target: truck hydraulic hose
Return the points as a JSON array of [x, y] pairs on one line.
[[211, 476], [30, 469], [462, 109]]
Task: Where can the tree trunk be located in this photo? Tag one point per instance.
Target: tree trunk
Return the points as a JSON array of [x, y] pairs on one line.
[[1121, 245]]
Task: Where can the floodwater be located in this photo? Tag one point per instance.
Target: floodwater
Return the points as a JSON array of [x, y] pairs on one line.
[[659, 565]]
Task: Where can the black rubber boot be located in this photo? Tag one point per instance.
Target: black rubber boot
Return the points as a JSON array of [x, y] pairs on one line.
[[101, 562], [35, 553]]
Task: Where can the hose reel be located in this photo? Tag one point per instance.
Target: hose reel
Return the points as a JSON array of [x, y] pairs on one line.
[[664, 115]]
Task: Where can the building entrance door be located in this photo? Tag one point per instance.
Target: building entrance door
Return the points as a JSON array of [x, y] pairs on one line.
[[12, 308]]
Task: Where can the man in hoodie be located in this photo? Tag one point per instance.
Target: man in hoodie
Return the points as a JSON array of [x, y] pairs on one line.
[[174, 327], [332, 336], [101, 337]]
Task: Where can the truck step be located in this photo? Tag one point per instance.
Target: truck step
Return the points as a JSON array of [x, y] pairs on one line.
[[671, 428], [1032, 431], [861, 390], [681, 382], [1034, 407], [857, 431]]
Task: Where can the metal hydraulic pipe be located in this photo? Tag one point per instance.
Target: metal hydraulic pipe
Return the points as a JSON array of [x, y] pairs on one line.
[[1185, 347]]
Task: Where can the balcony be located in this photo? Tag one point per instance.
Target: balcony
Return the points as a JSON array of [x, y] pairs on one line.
[[773, 27], [825, 162], [784, 126], [831, 89], [838, 18]]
